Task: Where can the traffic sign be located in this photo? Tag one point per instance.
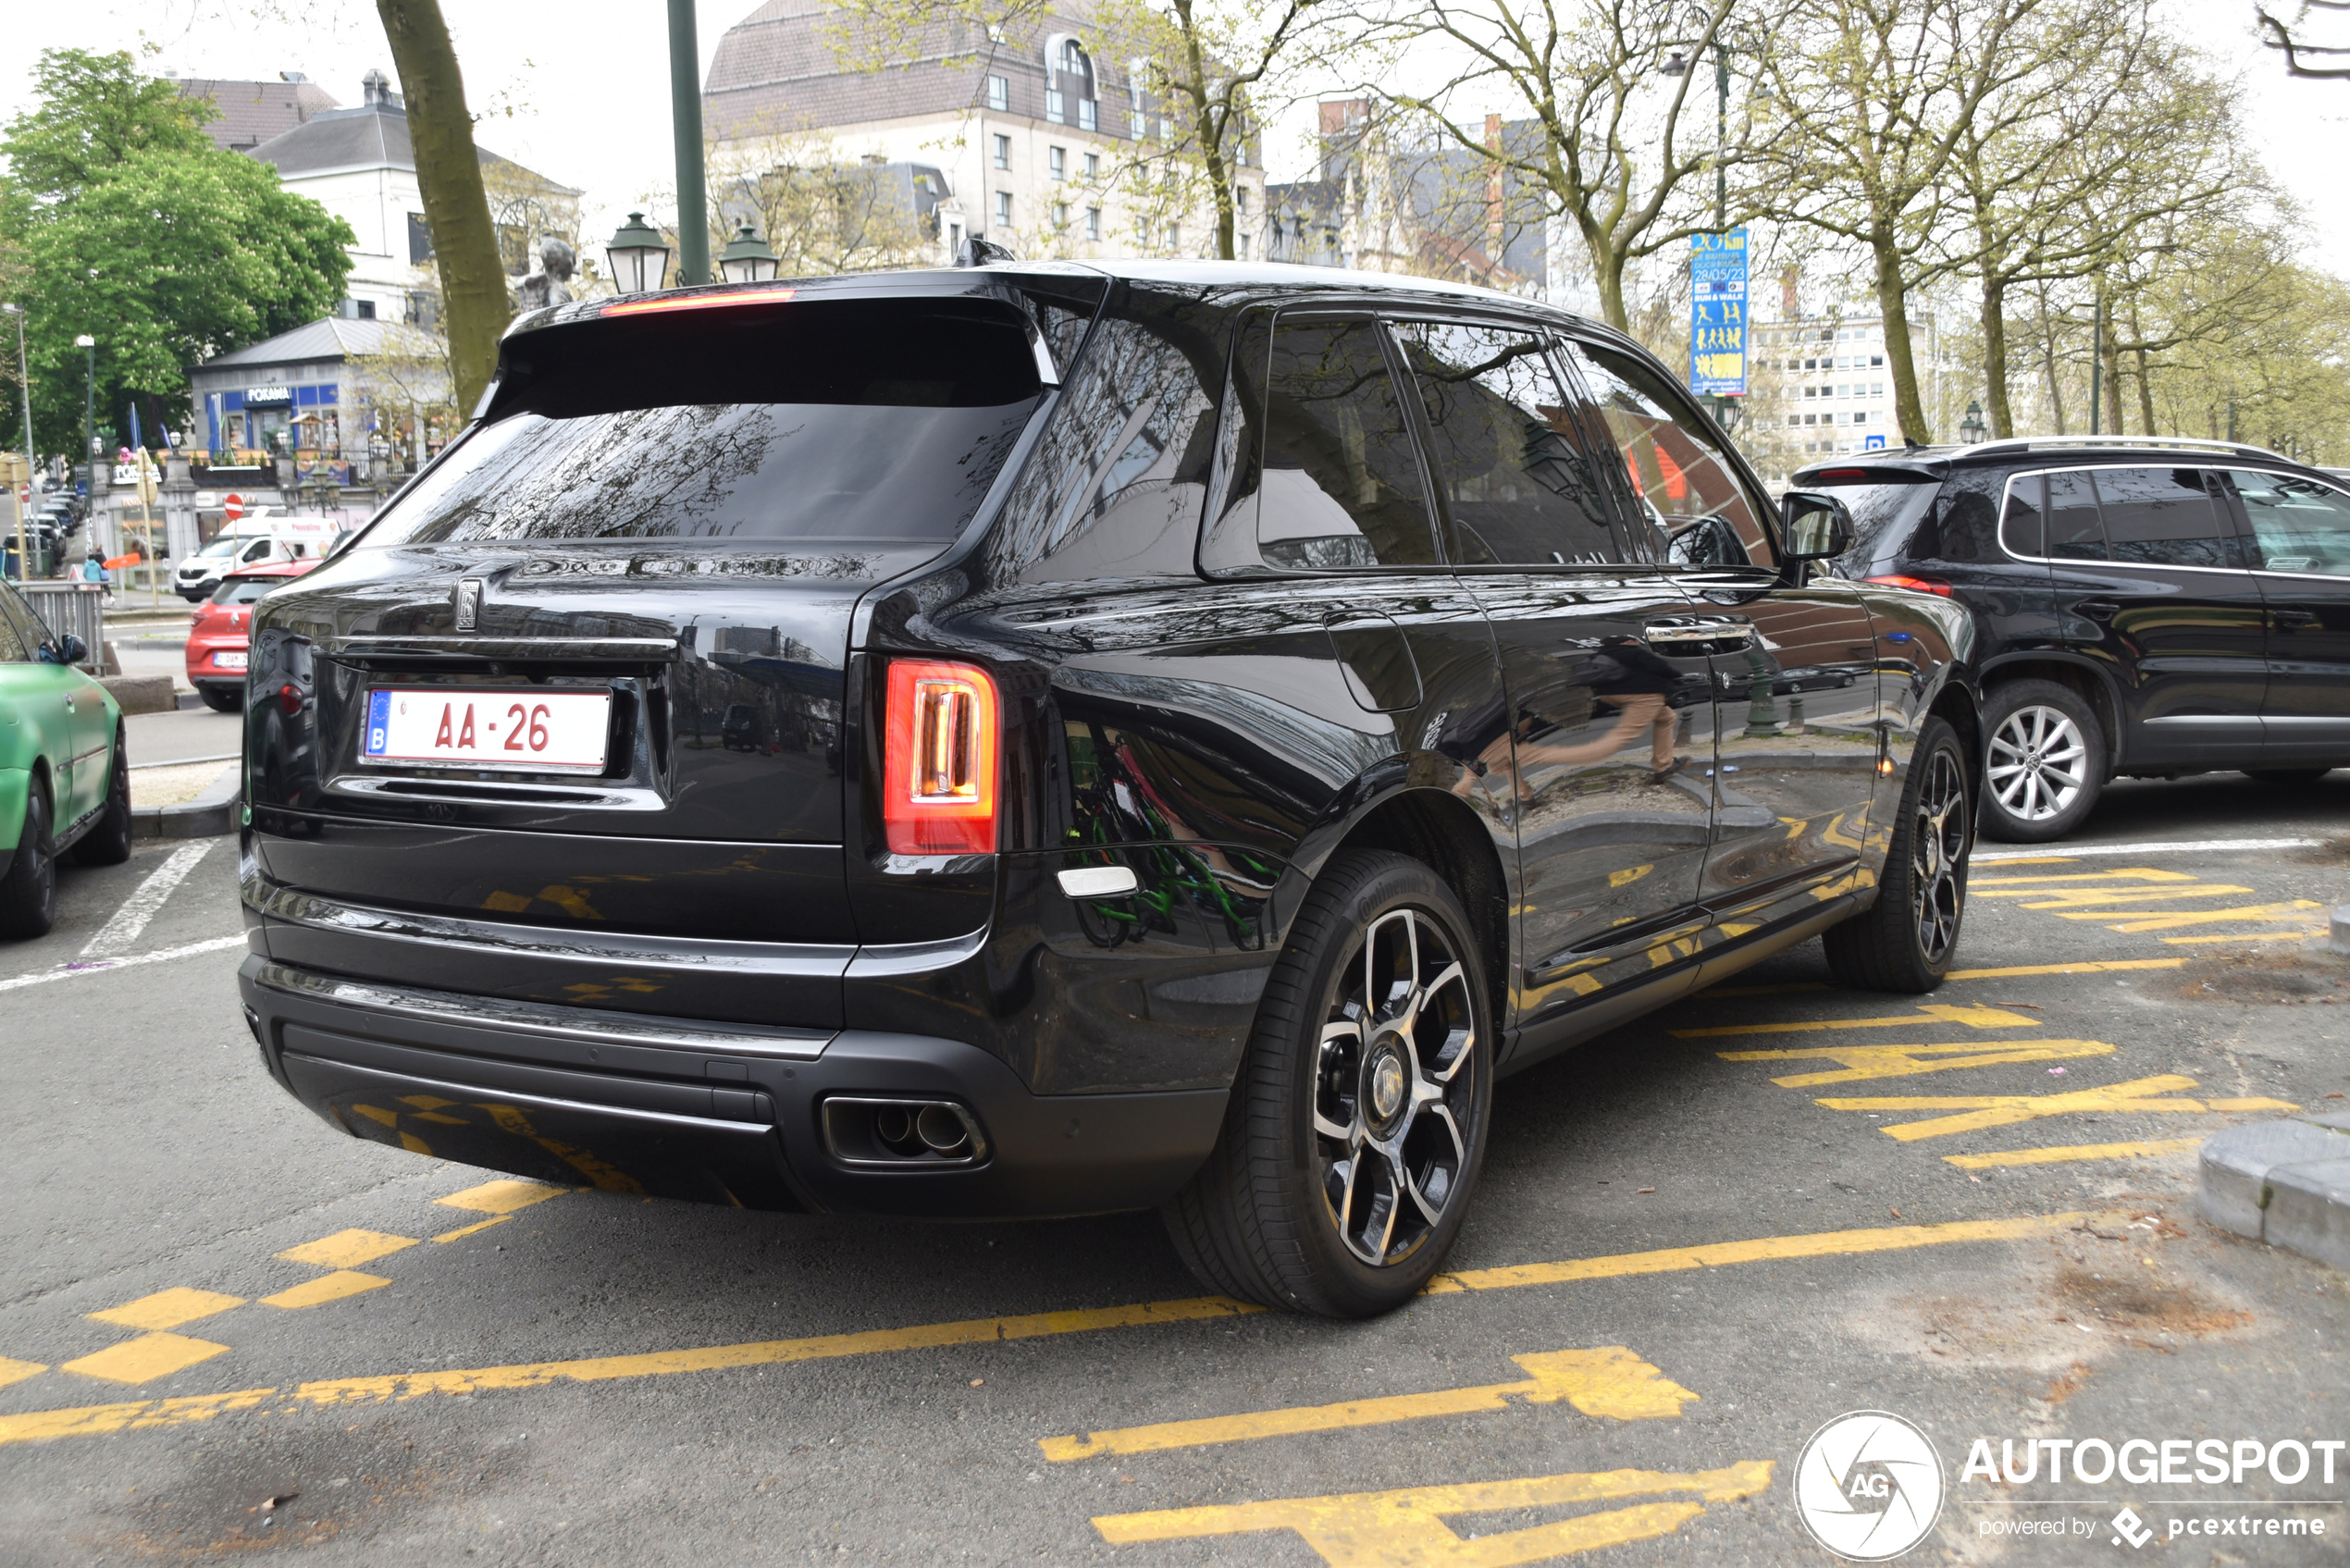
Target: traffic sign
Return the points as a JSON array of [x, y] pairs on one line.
[[233, 506], [1872, 443]]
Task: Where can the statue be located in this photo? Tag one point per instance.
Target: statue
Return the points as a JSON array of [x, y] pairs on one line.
[[551, 284]]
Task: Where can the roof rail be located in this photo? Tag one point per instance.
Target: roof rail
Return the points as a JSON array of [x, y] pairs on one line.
[[2027, 443]]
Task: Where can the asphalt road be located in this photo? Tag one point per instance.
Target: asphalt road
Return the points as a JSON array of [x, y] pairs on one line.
[[1697, 1240]]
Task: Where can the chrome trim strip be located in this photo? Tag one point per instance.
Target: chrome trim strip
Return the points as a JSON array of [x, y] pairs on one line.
[[2223, 721], [914, 957], [391, 646], [545, 1019]]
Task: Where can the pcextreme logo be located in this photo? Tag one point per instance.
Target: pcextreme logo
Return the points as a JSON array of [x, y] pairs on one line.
[[1869, 1486]]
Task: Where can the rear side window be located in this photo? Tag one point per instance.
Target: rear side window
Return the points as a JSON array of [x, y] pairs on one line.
[[2164, 518], [1507, 448], [1338, 486], [2075, 531], [837, 420], [2023, 529], [1886, 514], [15, 648], [2297, 525]]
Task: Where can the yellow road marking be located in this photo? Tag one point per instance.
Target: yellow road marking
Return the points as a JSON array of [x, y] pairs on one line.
[[1862, 1062], [2172, 919], [2133, 874], [2076, 1152], [1973, 1018], [2088, 965], [502, 1197], [334, 1287], [475, 1229], [15, 1371], [2092, 898], [2302, 936], [145, 1358], [167, 1309], [1406, 1527], [2136, 1097], [1628, 875], [1610, 1381], [1724, 992], [2033, 860], [347, 1248], [355, 1391], [1830, 1244]]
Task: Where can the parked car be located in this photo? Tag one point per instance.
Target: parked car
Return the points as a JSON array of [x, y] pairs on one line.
[[256, 539], [64, 778], [217, 637], [2144, 607], [1235, 714]]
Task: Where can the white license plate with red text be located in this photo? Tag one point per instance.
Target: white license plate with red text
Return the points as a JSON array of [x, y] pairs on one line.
[[229, 660], [527, 731]]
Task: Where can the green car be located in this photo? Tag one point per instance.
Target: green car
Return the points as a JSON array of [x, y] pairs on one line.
[[64, 781]]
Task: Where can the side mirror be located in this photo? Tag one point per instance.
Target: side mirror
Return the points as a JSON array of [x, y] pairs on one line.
[[1815, 528], [72, 650]]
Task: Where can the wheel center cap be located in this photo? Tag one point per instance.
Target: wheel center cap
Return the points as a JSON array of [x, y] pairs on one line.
[[1386, 1083]]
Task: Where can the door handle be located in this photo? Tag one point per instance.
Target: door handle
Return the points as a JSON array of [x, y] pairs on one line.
[[2294, 620], [2099, 609], [1735, 632]]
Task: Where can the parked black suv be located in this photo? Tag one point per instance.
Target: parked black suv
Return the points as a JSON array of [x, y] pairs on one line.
[[2144, 606], [1044, 739]]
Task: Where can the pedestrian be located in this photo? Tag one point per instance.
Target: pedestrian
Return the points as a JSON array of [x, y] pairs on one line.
[[94, 570]]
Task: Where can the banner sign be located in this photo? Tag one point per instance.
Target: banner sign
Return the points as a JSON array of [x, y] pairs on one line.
[[1717, 313]]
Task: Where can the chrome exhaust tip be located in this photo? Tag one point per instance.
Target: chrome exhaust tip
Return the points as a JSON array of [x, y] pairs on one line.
[[903, 1134]]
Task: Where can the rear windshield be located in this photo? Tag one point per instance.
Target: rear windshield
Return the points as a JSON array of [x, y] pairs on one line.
[[858, 420], [244, 590], [1885, 513]]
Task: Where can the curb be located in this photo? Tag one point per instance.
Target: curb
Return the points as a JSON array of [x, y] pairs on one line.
[[209, 815], [2286, 1183], [142, 694]]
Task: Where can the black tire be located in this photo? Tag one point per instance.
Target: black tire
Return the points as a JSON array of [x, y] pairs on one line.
[[1273, 1214], [29, 891], [1904, 942], [2044, 761], [2286, 778], [221, 699], [108, 840]]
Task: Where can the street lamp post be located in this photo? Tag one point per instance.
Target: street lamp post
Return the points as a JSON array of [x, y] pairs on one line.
[[747, 258], [1678, 65], [640, 260], [24, 501], [89, 347], [685, 103], [1971, 428]]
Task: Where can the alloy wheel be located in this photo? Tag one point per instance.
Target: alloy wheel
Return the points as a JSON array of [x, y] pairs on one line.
[[2037, 763], [1937, 856], [1393, 1089]]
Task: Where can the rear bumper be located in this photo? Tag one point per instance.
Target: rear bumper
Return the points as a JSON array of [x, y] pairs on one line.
[[724, 1114]]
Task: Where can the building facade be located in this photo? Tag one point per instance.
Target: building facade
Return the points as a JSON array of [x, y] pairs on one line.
[[351, 394], [1034, 141], [246, 113]]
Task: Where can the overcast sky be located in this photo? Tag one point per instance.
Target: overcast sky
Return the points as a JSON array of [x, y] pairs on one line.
[[580, 90]]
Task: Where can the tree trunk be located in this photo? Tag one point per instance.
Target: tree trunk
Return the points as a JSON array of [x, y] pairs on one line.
[[2146, 393], [1994, 356], [2048, 364], [1909, 408], [2113, 389], [472, 275]]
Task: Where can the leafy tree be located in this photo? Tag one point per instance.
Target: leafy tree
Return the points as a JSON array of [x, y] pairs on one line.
[[129, 225]]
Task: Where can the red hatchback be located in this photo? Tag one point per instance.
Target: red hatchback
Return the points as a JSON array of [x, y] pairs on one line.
[[216, 642]]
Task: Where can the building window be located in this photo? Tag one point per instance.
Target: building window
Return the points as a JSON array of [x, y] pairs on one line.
[[1089, 114], [1003, 209], [953, 238], [1057, 158], [1056, 105], [1174, 235], [1135, 125], [365, 309], [1003, 152], [419, 240], [1240, 246], [1061, 214], [1093, 166], [999, 94], [1093, 223]]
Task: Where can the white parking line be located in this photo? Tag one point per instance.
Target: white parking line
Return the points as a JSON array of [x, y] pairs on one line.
[[2184, 846], [139, 907], [101, 966]]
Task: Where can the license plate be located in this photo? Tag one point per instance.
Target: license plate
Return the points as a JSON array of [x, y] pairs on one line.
[[228, 660], [533, 732]]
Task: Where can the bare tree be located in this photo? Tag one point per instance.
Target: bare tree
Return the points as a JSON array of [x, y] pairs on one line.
[[2278, 35], [819, 211]]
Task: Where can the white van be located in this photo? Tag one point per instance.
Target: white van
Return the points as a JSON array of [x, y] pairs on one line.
[[258, 537]]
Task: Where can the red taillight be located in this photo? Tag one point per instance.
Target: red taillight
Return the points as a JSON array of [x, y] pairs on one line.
[[1922, 584], [938, 759], [289, 700], [700, 301]]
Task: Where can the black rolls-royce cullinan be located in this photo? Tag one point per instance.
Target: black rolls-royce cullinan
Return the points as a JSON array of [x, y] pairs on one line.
[[1046, 739]]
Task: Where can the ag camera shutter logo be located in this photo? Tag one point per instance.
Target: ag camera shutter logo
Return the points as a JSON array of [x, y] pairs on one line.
[[1869, 1486]]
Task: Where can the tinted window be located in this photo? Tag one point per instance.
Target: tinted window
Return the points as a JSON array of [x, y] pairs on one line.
[[2297, 525], [244, 590], [1339, 484], [2020, 529], [2074, 531], [1118, 477], [838, 420], [1673, 461], [1507, 448], [1885, 517], [2163, 517]]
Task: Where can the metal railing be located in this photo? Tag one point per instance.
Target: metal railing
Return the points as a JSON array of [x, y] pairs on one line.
[[77, 608]]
